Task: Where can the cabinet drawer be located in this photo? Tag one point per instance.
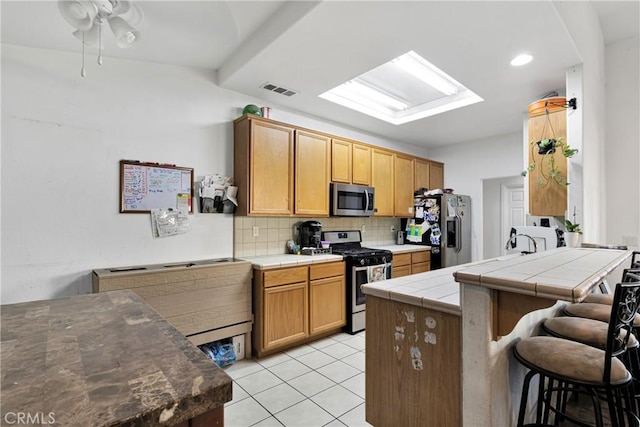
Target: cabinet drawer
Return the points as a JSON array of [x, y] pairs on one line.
[[331, 269], [402, 270], [285, 276], [420, 267], [423, 256], [401, 259]]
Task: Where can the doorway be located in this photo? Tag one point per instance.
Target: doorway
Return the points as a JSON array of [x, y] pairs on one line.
[[503, 206]]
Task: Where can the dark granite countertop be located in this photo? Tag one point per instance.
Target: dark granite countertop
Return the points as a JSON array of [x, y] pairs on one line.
[[103, 359]]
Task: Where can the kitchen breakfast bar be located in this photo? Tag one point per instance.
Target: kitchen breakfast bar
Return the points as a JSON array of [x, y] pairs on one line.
[[439, 343]]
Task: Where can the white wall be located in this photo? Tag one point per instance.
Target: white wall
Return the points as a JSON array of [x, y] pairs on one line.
[[589, 176], [467, 164], [62, 139], [622, 141]]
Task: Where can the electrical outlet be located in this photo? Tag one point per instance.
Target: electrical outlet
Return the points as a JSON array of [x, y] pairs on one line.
[[393, 228], [363, 229], [296, 230], [256, 231]]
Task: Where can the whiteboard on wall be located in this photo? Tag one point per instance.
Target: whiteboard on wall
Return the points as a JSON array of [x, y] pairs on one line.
[[147, 186]]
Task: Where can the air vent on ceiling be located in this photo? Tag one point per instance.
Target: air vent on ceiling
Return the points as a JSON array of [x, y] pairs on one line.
[[279, 89]]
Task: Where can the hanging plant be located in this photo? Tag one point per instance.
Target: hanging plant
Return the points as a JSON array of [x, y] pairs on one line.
[[548, 170]]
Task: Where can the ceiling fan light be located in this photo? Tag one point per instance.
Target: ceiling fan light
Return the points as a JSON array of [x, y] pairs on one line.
[[91, 37], [121, 6], [125, 34], [79, 13]]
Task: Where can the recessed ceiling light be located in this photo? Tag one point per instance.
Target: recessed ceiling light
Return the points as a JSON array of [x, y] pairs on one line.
[[402, 90], [523, 59]]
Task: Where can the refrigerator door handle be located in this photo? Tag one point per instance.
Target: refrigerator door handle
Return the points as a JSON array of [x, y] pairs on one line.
[[458, 234]]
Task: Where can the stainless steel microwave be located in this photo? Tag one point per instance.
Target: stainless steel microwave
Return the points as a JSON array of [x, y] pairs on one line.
[[352, 200]]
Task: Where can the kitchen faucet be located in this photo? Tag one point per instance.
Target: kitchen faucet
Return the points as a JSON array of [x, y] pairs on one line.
[[513, 236]]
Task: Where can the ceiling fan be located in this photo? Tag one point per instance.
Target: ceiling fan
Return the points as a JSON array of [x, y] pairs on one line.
[[88, 17]]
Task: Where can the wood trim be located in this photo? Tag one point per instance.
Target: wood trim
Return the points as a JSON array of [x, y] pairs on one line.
[[509, 308]]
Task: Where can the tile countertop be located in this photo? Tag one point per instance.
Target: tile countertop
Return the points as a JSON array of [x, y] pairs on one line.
[[568, 274], [288, 260], [398, 249], [104, 359], [436, 289]]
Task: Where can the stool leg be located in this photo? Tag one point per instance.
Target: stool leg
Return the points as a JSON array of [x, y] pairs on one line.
[[524, 397]]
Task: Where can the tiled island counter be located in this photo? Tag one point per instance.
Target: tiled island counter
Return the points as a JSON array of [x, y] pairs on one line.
[[438, 352], [104, 359]]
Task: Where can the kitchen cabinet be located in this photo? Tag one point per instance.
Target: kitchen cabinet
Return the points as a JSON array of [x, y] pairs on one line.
[[436, 175], [361, 164], [550, 198], [263, 167], [327, 297], [401, 265], [422, 171], [382, 173], [420, 261], [297, 304], [408, 263], [350, 162], [341, 155], [312, 169], [404, 185]]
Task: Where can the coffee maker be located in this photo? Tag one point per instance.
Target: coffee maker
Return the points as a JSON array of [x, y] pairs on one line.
[[310, 234]]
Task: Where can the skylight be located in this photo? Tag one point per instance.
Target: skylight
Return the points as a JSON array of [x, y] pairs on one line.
[[405, 89]]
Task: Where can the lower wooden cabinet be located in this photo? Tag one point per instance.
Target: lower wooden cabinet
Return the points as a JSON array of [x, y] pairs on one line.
[[296, 305], [411, 263], [285, 314]]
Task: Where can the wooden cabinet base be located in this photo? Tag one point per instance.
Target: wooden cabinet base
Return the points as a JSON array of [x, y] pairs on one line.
[[413, 375], [213, 418]]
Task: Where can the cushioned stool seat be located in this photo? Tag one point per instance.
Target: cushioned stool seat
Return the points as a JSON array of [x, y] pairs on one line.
[[601, 312], [586, 331], [606, 299], [570, 360]]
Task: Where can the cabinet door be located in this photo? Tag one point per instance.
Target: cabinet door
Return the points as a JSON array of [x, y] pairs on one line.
[[403, 189], [313, 153], [382, 181], [422, 174], [285, 315], [327, 304], [361, 164], [340, 161], [436, 175], [550, 198], [400, 271], [271, 175]]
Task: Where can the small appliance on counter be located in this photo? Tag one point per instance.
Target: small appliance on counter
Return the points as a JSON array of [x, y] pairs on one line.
[[311, 238]]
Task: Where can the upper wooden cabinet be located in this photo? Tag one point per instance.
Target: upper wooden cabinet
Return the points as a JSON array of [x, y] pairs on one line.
[[436, 175], [361, 164], [283, 170], [313, 152], [341, 161], [404, 185], [422, 174], [546, 196], [350, 162], [263, 167], [382, 174]]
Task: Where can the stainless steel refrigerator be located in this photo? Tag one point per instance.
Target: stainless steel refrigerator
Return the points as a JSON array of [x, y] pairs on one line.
[[444, 223]]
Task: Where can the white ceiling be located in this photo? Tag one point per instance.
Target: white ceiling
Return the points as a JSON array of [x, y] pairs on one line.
[[312, 46]]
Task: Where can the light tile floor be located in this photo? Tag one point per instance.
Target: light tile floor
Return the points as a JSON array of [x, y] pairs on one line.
[[318, 384]]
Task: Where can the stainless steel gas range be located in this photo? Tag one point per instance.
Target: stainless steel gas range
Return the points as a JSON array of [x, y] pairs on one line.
[[363, 265]]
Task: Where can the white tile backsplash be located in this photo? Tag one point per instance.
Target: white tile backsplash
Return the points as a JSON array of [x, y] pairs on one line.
[[274, 232]]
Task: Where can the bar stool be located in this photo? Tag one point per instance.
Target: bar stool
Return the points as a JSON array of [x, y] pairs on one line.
[[566, 366]]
